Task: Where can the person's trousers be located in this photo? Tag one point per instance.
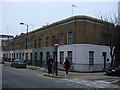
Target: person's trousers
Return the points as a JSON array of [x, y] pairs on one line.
[[49, 69], [66, 69]]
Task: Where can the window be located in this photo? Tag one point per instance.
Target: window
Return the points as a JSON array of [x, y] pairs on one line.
[[53, 39], [39, 43], [35, 43], [70, 38], [62, 39], [23, 56], [22, 45], [35, 56], [26, 56], [30, 56], [19, 55], [61, 57], [70, 56], [47, 55], [91, 57], [47, 41], [12, 56]]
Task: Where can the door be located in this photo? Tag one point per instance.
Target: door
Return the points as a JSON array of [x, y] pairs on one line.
[[35, 58], [41, 58], [104, 54]]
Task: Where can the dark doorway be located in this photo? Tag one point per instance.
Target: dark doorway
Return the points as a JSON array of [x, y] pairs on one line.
[[35, 58], [104, 54], [41, 58]]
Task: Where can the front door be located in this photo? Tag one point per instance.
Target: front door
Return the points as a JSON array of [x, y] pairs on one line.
[[41, 58], [104, 59]]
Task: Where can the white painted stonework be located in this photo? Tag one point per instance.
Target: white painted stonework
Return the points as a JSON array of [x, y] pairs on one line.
[[80, 56]]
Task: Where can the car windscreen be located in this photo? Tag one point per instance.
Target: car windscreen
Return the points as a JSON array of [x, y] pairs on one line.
[[18, 60], [21, 60]]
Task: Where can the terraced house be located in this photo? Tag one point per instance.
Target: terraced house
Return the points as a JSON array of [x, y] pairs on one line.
[[81, 39]]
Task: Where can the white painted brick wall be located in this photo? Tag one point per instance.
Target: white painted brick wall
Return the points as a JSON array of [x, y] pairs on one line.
[[81, 55]]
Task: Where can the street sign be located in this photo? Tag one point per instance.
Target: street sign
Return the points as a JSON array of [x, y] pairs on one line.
[[56, 44]]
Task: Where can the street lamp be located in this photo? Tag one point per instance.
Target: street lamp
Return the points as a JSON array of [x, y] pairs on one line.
[[27, 32], [26, 37], [56, 62]]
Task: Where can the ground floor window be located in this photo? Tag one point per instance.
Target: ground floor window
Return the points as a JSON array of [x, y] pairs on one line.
[[23, 56], [26, 56], [61, 57], [91, 57], [31, 56], [35, 56], [47, 55], [70, 56], [20, 55], [17, 55]]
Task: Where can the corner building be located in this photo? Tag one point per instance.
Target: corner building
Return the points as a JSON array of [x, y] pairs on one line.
[[80, 38]]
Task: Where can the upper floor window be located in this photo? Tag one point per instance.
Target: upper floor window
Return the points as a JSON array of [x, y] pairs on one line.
[[53, 39], [39, 43], [35, 43], [47, 41], [62, 39], [70, 38]]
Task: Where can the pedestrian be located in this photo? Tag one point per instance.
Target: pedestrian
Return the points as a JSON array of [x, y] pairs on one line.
[[67, 65], [50, 64]]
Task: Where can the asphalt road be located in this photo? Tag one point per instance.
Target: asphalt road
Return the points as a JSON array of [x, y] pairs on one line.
[[24, 78], [27, 78]]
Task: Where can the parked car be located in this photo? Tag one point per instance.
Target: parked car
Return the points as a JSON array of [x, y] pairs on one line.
[[115, 70], [18, 63]]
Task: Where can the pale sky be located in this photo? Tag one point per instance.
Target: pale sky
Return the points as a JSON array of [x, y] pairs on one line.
[[37, 14]]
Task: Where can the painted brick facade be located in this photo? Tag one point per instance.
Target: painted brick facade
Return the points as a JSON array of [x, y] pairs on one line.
[[83, 29]]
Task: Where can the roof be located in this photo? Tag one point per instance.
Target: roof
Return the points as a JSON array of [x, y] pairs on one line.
[[6, 36], [67, 20]]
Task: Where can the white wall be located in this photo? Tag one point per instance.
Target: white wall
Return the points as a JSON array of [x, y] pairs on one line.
[[81, 55]]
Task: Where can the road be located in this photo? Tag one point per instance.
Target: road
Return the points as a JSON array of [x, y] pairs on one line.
[[26, 78]]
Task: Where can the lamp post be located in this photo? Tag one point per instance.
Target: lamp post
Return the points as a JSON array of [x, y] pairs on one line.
[[56, 62], [26, 34]]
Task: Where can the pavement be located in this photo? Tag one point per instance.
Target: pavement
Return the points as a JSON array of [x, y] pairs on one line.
[[71, 75]]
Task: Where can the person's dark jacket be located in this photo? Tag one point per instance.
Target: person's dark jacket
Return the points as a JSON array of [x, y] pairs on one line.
[[67, 64], [49, 61]]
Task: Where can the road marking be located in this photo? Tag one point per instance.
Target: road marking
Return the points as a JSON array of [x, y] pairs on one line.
[[96, 84], [109, 82], [115, 81], [101, 81]]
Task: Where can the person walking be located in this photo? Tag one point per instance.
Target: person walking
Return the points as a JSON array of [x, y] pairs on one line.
[[67, 65], [50, 64]]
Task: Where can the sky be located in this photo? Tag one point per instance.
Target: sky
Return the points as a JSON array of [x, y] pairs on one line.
[[36, 14]]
